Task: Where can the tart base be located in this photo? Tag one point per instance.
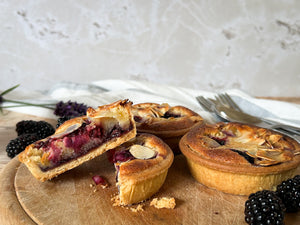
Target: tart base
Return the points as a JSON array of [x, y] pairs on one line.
[[133, 192], [238, 184]]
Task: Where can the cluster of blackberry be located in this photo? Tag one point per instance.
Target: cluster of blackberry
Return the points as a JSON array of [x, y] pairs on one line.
[[268, 207], [28, 132], [69, 110]]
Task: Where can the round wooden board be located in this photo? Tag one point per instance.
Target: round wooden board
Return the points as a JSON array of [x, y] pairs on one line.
[[11, 212], [69, 199]]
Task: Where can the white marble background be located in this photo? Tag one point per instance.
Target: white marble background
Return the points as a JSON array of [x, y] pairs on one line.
[[212, 45]]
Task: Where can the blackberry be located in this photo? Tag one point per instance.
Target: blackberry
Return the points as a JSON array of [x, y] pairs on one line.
[[18, 144], [289, 192], [70, 108], [63, 119], [264, 207], [41, 128]]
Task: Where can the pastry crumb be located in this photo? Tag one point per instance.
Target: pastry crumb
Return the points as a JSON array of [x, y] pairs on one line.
[[164, 202], [139, 208], [116, 201]]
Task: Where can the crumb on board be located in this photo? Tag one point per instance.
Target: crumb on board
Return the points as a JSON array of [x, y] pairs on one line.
[[139, 208], [116, 200], [164, 202], [96, 187]]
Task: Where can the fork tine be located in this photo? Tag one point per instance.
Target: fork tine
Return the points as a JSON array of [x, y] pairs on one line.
[[204, 103], [220, 100], [226, 98], [201, 102]]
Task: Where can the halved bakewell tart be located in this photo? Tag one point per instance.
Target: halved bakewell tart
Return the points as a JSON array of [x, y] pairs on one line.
[[141, 166], [167, 122], [238, 158], [80, 139]]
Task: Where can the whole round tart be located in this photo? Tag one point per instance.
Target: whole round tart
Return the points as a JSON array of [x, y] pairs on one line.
[[141, 165], [169, 123], [239, 158]]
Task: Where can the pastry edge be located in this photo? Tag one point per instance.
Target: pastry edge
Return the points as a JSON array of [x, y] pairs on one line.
[[238, 184]]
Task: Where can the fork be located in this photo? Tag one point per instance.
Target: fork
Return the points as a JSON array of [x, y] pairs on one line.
[[226, 100], [223, 112]]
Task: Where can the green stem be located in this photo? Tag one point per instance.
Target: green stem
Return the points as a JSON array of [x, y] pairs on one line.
[[9, 90], [47, 106]]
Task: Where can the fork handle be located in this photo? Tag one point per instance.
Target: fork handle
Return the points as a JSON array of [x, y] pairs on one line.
[[277, 125]]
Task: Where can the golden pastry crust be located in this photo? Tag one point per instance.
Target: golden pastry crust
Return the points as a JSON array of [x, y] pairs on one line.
[[238, 158], [100, 130], [139, 179], [164, 121]]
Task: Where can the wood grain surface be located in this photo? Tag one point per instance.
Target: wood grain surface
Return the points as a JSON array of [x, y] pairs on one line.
[[69, 199]]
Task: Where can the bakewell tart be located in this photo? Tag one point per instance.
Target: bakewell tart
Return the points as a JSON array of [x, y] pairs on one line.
[[167, 122], [239, 158], [80, 139], [141, 167]]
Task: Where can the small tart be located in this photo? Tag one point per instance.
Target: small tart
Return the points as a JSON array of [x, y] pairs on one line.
[[80, 139], [168, 123], [141, 165], [238, 158]]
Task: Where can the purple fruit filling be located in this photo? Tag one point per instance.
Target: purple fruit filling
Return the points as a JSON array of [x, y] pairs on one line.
[[122, 156], [80, 142], [138, 119], [169, 115], [221, 141], [245, 155]]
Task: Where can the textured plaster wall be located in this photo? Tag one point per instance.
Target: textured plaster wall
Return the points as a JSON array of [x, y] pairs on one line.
[[210, 45]]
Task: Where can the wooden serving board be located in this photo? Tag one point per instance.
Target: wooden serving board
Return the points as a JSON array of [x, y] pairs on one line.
[[69, 199]]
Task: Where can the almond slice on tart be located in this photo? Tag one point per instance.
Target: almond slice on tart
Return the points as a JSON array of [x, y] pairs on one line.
[[141, 167], [80, 139], [167, 122], [239, 158]]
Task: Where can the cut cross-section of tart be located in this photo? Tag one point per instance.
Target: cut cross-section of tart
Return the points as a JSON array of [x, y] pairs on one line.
[[80, 139], [169, 123], [239, 158], [141, 165]]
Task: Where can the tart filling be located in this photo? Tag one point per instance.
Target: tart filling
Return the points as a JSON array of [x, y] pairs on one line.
[[141, 167], [62, 148], [80, 139]]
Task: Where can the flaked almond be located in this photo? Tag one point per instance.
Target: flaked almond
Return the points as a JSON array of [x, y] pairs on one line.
[[69, 130], [142, 152]]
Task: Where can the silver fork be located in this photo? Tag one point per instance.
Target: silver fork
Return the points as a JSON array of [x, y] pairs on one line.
[[224, 112], [208, 105], [226, 100]]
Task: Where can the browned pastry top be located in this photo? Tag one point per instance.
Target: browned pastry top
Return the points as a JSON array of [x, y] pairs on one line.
[[240, 148], [143, 168], [163, 119]]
